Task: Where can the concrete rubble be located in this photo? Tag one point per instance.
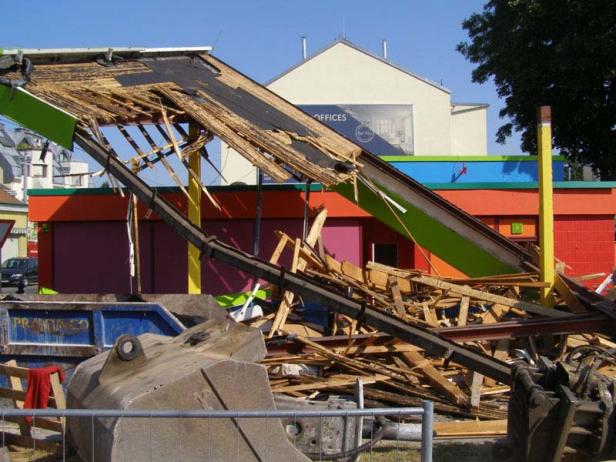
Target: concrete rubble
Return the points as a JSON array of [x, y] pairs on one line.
[[213, 365]]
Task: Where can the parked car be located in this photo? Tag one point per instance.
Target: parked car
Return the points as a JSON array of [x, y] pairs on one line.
[[19, 272]]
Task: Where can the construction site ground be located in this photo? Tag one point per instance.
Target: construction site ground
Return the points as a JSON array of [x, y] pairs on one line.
[[444, 451]]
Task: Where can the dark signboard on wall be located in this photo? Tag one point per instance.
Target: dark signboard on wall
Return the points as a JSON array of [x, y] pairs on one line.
[[383, 129]]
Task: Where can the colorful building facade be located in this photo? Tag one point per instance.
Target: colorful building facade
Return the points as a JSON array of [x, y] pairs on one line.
[[83, 234]]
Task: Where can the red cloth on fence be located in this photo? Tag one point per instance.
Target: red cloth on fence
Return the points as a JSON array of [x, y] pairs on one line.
[[39, 387]]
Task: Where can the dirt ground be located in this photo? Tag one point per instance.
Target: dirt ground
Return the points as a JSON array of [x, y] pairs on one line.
[[444, 451]]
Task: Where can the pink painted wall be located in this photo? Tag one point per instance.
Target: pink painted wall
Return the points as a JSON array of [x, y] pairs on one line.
[[93, 256], [90, 257]]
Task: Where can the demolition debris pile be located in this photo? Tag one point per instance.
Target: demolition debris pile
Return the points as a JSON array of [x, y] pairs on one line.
[[491, 315]]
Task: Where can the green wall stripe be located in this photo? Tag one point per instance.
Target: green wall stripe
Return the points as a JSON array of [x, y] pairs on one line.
[[170, 189], [429, 233]]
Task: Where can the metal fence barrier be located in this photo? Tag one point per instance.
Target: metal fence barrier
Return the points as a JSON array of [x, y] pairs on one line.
[[426, 429]]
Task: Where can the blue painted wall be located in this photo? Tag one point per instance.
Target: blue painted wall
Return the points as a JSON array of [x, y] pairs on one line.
[[507, 171]]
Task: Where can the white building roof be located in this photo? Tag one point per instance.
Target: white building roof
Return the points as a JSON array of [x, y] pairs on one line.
[[364, 51]]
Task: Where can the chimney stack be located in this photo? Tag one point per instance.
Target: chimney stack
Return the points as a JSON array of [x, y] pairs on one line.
[[384, 45], [304, 48]]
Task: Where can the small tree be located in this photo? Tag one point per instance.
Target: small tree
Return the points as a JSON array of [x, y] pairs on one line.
[[560, 53]]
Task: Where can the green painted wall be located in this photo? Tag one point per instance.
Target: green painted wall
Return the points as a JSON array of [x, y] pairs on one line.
[[429, 233]]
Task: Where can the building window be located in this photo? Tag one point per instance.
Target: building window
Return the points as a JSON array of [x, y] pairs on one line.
[[75, 180], [39, 170], [385, 254]]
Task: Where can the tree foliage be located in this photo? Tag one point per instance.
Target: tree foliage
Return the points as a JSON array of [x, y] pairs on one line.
[[560, 53]]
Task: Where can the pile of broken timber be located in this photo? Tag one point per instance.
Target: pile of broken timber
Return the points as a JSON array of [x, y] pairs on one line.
[[314, 362]]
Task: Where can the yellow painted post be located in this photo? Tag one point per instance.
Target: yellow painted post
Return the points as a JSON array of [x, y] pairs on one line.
[[546, 206], [194, 215]]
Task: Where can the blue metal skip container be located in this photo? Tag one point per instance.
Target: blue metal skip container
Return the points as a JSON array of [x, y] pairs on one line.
[[39, 333]]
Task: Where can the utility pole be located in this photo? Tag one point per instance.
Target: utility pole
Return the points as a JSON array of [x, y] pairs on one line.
[[135, 232], [194, 214], [546, 206]]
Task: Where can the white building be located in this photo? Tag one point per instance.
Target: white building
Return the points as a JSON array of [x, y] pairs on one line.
[[377, 104], [24, 158]]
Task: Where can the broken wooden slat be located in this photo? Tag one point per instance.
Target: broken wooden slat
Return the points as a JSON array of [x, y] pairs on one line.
[[330, 383], [287, 297], [396, 296], [470, 429], [299, 264], [429, 315], [417, 361], [463, 314], [476, 383], [573, 303], [488, 297], [494, 314], [282, 242], [500, 352]]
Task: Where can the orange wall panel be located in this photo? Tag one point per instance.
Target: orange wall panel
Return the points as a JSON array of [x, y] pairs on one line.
[[529, 227], [442, 268]]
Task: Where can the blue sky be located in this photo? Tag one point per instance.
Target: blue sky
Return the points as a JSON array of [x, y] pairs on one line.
[[262, 38]]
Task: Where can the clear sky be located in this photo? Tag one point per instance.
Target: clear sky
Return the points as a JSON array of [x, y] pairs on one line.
[[262, 38]]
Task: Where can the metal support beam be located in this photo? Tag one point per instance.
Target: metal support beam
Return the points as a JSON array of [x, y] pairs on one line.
[[546, 207], [194, 215], [257, 231], [300, 285], [306, 209]]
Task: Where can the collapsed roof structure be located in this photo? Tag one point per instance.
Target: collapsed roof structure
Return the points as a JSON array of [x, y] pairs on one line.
[[79, 91]]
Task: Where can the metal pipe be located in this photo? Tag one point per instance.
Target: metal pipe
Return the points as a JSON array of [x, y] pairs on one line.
[[427, 431], [304, 48], [359, 422], [212, 414], [394, 431], [384, 47], [306, 209], [257, 230]]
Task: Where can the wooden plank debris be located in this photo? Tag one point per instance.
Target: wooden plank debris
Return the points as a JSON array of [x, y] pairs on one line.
[[470, 429], [488, 297], [404, 374], [417, 361], [299, 264]]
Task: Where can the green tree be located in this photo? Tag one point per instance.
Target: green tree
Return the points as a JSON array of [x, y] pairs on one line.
[[560, 53]]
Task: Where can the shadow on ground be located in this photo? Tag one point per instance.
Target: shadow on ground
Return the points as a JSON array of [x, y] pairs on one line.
[[445, 451]]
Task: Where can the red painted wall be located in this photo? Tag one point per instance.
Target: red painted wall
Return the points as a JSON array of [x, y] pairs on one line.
[[585, 243], [85, 246], [376, 232], [92, 257]]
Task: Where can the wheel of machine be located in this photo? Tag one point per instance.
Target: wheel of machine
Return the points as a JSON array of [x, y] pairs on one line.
[[24, 282]]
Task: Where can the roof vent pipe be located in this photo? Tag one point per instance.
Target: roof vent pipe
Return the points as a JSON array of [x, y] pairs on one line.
[[304, 48], [384, 45]]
